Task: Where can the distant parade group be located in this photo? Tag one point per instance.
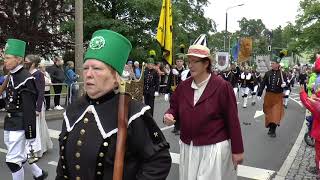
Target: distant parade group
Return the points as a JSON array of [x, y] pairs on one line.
[[203, 110]]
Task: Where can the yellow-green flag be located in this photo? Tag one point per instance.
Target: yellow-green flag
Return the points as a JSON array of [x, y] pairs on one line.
[[165, 28]]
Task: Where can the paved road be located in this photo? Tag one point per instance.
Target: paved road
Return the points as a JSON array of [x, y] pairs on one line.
[[263, 155]]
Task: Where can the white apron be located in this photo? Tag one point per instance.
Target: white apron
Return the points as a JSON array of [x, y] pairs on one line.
[[42, 142], [210, 162]]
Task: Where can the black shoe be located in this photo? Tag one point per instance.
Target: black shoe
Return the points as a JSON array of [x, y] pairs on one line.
[[273, 135], [177, 132], [270, 131], [253, 103], [286, 106], [42, 177]]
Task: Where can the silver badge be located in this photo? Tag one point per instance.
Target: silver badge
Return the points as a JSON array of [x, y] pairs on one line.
[[97, 42], [10, 99]]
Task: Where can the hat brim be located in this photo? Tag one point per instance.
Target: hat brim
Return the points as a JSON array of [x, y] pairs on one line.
[[200, 56]]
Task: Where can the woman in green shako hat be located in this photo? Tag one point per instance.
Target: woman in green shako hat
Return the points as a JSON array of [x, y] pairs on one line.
[[20, 121], [89, 132]]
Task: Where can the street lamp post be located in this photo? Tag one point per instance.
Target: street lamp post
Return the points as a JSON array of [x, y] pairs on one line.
[[226, 31]]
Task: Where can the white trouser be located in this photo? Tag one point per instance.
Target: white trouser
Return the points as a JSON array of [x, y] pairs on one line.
[[16, 145], [244, 90], [235, 90], [206, 162]]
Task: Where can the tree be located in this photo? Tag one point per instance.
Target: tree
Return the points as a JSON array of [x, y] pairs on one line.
[[36, 22], [138, 21]]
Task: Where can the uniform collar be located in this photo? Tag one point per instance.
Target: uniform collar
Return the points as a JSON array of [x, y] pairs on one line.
[[101, 99], [16, 69]]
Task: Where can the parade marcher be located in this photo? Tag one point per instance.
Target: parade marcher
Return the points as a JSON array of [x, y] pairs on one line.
[[57, 76], [43, 141], [175, 78], [246, 78], [273, 109], [255, 84], [303, 78], [151, 83], [89, 132], [210, 142], [20, 121], [286, 89]]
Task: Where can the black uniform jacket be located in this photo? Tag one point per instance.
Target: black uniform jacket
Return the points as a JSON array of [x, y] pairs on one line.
[[21, 103], [272, 80], [88, 142], [151, 81]]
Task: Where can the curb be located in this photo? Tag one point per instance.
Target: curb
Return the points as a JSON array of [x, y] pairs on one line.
[[282, 173]]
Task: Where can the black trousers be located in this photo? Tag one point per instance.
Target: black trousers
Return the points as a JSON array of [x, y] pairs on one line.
[[57, 90], [149, 100], [47, 99]]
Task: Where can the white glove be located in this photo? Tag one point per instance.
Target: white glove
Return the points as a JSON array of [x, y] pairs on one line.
[[166, 97], [156, 93], [175, 72], [283, 85]]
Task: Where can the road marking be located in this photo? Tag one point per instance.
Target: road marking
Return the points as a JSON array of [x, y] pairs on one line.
[[165, 128], [243, 171], [3, 150], [54, 133], [54, 163], [299, 102], [258, 113]]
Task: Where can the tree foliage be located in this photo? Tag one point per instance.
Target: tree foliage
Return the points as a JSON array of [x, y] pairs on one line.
[[36, 22]]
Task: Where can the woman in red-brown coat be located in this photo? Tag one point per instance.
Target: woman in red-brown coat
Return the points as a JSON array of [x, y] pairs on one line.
[[211, 144]]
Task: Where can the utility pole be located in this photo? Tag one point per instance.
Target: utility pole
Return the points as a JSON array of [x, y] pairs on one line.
[[79, 38]]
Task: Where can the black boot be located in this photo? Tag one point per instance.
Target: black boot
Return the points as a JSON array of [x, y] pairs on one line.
[[42, 177], [272, 130]]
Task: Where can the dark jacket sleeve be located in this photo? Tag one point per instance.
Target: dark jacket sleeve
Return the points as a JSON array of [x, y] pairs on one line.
[[263, 84], [157, 81], [152, 148], [40, 88], [231, 117], [59, 169], [28, 95]]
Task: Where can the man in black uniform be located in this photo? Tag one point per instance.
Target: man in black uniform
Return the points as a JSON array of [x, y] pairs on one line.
[[273, 109], [89, 132], [255, 84], [174, 81], [20, 121], [151, 84]]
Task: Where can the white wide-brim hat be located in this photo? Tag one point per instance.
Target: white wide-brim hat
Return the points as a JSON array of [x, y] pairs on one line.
[[199, 51]]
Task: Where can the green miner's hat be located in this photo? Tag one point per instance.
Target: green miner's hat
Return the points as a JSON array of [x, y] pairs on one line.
[[150, 60], [15, 47], [180, 56], [276, 59], [109, 47]]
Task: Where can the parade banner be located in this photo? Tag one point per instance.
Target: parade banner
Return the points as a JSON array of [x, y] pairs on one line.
[[222, 60], [165, 29], [263, 63], [245, 49]]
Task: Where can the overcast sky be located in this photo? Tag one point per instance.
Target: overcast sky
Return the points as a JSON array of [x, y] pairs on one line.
[[272, 12]]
